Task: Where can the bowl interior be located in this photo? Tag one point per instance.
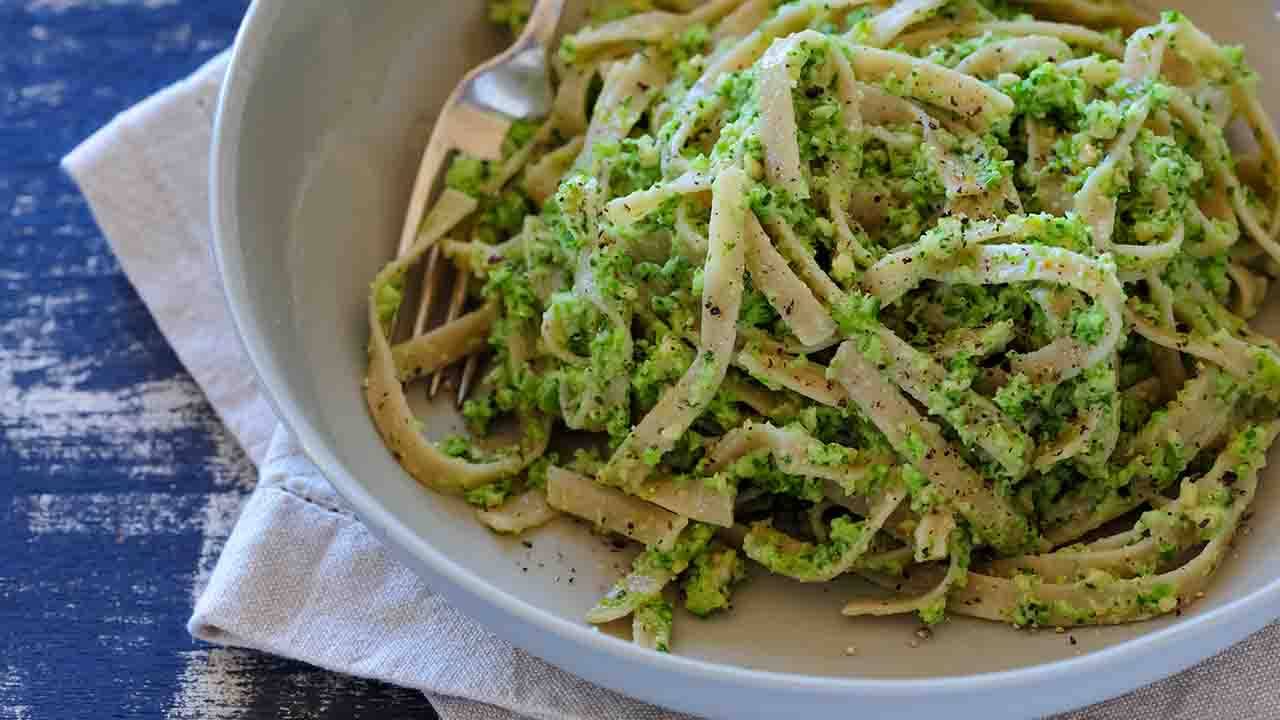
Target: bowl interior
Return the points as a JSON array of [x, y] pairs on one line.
[[334, 120]]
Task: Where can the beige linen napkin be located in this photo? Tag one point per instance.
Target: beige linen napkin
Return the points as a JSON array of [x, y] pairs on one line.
[[300, 576]]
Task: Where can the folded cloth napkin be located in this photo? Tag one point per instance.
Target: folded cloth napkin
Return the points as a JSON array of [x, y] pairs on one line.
[[300, 576]]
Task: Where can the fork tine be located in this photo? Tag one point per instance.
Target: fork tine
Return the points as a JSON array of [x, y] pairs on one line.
[[468, 373], [474, 120], [430, 278], [476, 126], [456, 301]]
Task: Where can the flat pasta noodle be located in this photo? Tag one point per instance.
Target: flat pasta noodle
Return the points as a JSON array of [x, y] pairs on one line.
[[933, 84], [745, 18], [1093, 13], [887, 289], [1065, 357], [384, 390], [1099, 598], [777, 114], [794, 451], [528, 510], [628, 90], [1194, 420], [652, 571], [637, 205], [1237, 356], [957, 485], [722, 298], [644, 28], [569, 107], [794, 301], [975, 343], [541, 179], [745, 52], [888, 25], [612, 510], [898, 272], [938, 596], [974, 417], [691, 498], [807, 562], [1008, 55], [772, 364], [1066, 32], [803, 262]]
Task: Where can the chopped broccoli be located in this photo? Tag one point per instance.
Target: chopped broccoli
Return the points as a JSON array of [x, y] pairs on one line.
[[708, 582], [801, 560], [655, 620], [467, 174], [491, 495], [1089, 324]]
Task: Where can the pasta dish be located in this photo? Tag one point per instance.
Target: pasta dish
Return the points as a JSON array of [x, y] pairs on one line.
[[953, 295]]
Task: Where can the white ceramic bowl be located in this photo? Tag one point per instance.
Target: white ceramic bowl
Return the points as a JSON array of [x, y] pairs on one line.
[[320, 128]]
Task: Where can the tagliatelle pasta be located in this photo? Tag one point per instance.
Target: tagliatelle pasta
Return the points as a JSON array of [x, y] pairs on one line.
[[947, 288]]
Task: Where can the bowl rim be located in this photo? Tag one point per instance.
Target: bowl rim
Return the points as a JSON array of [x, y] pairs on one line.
[[1113, 670]]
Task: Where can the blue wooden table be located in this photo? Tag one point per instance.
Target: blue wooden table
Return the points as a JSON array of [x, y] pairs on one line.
[[117, 483]]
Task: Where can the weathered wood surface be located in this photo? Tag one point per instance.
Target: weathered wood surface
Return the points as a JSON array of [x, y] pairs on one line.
[[117, 483]]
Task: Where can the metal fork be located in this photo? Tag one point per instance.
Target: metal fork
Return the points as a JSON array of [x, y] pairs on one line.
[[515, 85]]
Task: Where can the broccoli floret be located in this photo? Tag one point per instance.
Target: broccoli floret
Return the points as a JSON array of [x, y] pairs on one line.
[[519, 134], [634, 164], [756, 310], [1266, 377], [480, 412], [1031, 612], [828, 454], [1089, 324], [470, 174], [508, 283], [388, 298], [1016, 398], [691, 541], [456, 446], [692, 42], [708, 584], [1160, 598], [491, 495], [536, 475], [1167, 462], [1247, 445], [759, 470], [913, 445], [923, 494], [467, 174], [1102, 119], [847, 427], [1069, 232], [1049, 93], [785, 555], [857, 313], [1095, 386], [662, 364], [501, 216], [654, 619], [652, 456]]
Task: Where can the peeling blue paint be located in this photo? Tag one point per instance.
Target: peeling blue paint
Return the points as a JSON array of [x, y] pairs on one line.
[[90, 621], [112, 466]]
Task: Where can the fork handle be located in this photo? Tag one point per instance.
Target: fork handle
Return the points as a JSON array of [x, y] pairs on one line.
[[543, 23]]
